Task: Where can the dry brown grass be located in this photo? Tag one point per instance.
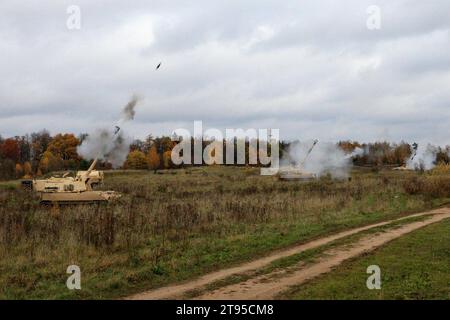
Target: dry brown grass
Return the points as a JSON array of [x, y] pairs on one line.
[[432, 186], [441, 169], [174, 225]]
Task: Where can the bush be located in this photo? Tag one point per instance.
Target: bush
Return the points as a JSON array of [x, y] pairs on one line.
[[441, 169], [431, 186], [413, 185], [136, 160]]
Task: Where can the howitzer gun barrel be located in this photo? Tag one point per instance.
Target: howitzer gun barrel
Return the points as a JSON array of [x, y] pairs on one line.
[[92, 167], [309, 152]]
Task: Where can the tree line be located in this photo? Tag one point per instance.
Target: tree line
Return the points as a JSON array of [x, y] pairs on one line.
[[388, 154], [39, 153]]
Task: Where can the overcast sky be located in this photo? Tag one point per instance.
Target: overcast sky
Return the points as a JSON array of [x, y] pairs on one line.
[[310, 68]]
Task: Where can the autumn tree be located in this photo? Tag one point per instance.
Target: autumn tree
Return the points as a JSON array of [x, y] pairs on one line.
[[27, 170], [39, 144], [164, 144], [64, 146], [402, 152], [443, 155], [348, 146], [19, 170], [24, 148], [147, 144], [153, 158], [137, 145], [7, 169], [167, 160], [9, 149], [44, 165], [136, 160], [49, 162]]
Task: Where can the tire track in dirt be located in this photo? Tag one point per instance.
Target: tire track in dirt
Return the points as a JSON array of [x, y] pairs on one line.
[[178, 290], [265, 287]]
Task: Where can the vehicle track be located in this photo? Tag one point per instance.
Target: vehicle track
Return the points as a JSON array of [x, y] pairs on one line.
[[263, 287], [269, 286]]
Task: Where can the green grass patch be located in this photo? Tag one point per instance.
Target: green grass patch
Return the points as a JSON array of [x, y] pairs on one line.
[[415, 266], [302, 259]]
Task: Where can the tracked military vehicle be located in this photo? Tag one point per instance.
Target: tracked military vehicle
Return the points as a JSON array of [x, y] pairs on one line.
[[72, 190], [414, 153], [297, 172]]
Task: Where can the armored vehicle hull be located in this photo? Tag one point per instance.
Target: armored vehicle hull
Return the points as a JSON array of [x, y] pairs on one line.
[[295, 174], [78, 197]]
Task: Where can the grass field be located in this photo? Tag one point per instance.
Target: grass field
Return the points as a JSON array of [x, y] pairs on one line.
[[179, 224], [412, 267]]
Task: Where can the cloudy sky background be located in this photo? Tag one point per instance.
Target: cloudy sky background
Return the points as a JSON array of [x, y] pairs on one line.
[[310, 68]]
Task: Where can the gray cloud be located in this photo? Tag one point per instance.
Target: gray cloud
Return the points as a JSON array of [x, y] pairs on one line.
[[311, 69]]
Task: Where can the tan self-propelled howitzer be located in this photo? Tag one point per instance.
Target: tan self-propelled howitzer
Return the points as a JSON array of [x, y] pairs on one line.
[[297, 172], [72, 190]]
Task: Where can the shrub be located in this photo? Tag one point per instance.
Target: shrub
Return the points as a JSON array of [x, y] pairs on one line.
[[431, 186], [441, 169]]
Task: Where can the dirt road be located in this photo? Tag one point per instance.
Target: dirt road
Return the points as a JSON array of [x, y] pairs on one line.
[[268, 286]]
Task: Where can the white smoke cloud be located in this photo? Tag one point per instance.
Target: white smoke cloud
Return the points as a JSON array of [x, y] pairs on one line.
[[424, 159], [357, 152], [325, 158], [105, 145], [111, 145]]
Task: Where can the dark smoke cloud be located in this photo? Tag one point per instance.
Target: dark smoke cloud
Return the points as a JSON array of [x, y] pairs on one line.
[[128, 111]]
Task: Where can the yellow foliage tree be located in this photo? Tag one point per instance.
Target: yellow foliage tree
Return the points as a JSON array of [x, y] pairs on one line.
[[50, 162], [153, 159], [19, 170], [27, 170], [64, 146], [167, 160], [43, 165], [136, 160]]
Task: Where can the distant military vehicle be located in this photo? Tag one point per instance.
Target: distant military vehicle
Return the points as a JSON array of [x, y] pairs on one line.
[[72, 190], [414, 153], [296, 171]]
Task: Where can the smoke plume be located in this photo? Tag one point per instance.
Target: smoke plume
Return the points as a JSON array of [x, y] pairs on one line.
[[424, 159], [128, 111], [110, 144], [325, 158], [105, 145]]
